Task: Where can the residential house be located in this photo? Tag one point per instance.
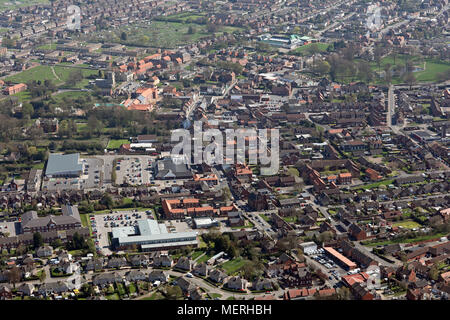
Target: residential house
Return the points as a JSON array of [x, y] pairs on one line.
[[237, 283]]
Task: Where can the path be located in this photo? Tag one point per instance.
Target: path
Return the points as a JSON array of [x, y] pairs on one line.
[[54, 73]]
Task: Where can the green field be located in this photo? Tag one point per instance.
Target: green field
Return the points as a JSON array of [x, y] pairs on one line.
[[375, 184], [115, 144], [234, 265], [161, 34], [432, 67], [10, 4], [303, 50], [408, 224], [43, 73]]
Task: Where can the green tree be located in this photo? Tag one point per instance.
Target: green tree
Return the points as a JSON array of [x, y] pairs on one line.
[[38, 241], [174, 293]]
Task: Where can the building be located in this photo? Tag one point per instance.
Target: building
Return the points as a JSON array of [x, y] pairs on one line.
[[308, 247], [70, 219], [172, 168], [151, 236], [68, 165], [205, 223], [339, 258], [15, 89]]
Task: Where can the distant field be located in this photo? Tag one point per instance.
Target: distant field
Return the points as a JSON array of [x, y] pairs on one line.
[[162, 34], [59, 77], [432, 67], [303, 50], [13, 4], [115, 144], [45, 73]]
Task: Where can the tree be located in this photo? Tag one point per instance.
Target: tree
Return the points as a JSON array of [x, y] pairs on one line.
[[174, 293], [434, 273], [42, 275], [14, 275], [211, 27], [107, 201], [123, 36], [322, 68], [409, 79], [191, 30], [38, 241]]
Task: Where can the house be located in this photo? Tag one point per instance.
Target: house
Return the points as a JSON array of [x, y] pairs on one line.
[[94, 265], [357, 232], [26, 289], [53, 287], [201, 269], [217, 276], [118, 262], [237, 283], [158, 275], [262, 284], [184, 263], [185, 285], [139, 260], [44, 251], [104, 279], [163, 261], [135, 275], [195, 294]]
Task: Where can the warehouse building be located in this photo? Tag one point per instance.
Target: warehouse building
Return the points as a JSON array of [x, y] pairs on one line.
[[151, 236], [64, 165]]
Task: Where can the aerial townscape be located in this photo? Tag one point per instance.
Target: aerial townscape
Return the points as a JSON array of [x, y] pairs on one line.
[[95, 204]]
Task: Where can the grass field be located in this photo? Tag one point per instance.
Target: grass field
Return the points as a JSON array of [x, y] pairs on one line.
[[233, 265], [432, 67], [13, 4], [163, 34], [115, 144], [303, 50], [408, 224], [43, 73], [375, 184], [412, 240]]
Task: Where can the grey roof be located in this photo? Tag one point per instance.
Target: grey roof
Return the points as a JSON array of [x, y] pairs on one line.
[[167, 166], [71, 211], [63, 163]]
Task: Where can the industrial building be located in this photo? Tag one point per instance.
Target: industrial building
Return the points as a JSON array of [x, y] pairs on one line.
[[64, 165], [151, 236]]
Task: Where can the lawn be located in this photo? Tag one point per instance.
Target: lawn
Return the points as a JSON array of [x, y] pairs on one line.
[[115, 144], [375, 184], [233, 265], [263, 216], [303, 50], [291, 219], [43, 73], [248, 225], [204, 258], [408, 224], [131, 288], [113, 296], [154, 296], [214, 295], [196, 254], [161, 34], [412, 240], [432, 67], [10, 5]]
